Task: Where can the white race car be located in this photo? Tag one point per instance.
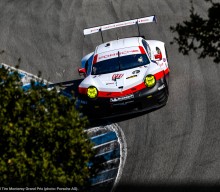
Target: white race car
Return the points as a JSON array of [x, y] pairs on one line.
[[124, 76]]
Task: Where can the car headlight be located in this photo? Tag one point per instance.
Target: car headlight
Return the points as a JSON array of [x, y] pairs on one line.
[[92, 92], [150, 81]]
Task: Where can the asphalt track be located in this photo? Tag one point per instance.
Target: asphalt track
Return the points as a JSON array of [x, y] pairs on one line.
[[177, 144]]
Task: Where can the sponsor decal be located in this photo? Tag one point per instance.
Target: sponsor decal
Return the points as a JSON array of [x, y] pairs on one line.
[[131, 76], [117, 99], [119, 24], [110, 83], [144, 20], [136, 72], [117, 76]]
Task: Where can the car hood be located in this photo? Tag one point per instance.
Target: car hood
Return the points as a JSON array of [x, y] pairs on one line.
[[116, 81]]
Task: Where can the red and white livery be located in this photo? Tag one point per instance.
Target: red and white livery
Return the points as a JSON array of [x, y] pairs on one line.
[[124, 76]]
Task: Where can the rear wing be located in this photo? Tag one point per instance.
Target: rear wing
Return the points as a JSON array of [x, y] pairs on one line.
[[138, 21]]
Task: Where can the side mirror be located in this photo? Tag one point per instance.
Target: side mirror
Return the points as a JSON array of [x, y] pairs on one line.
[[82, 72], [158, 56]]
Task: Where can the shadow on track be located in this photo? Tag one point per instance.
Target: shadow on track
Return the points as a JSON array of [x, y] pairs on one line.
[[100, 122]]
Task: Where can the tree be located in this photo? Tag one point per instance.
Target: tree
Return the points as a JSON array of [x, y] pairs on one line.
[[200, 35], [42, 137]]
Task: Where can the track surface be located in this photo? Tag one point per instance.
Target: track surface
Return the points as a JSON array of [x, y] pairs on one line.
[[178, 143]]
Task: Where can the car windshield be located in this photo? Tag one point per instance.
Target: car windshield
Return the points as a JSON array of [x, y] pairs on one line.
[[119, 64]]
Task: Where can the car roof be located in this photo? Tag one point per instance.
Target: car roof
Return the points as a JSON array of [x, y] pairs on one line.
[[118, 44]]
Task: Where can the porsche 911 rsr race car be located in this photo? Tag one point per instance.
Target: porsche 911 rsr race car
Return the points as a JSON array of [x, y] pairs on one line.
[[124, 76]]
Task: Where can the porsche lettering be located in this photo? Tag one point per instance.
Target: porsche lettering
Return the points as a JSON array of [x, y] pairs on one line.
[[116, 54]]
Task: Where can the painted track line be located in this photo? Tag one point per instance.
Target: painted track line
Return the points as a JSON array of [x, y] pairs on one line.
[[123, 152]]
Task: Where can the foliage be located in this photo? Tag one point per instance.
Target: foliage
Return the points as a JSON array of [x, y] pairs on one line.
[[200, 35], [42, 138]]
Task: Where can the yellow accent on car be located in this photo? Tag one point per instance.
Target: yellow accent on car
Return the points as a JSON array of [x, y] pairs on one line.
[[92, 92], [150, 81]]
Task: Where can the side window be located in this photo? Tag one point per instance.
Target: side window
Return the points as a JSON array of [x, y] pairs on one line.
[[89, 65], [86, 65], [147, 47]]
